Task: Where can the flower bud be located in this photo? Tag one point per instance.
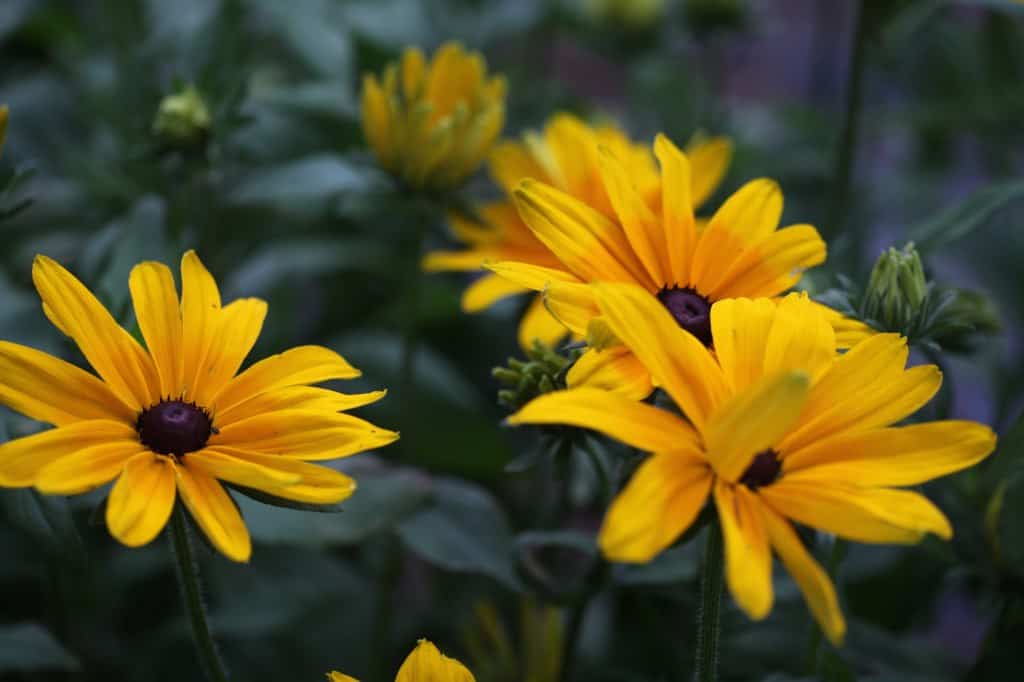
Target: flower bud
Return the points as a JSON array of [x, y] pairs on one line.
[[183, 119], [897, 290], [431, 124], [543, 372]]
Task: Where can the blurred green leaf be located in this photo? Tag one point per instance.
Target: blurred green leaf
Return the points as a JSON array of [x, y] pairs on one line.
[[465, 531], [28, 647], [958, 221], [673, 566], [383, 498], [315, 178], [47, 520]]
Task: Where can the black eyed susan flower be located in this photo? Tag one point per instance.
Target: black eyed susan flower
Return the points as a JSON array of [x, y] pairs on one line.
[[431, 124], [780, 430], [176, 418], [566, 155], [424, 664], [654, 241]]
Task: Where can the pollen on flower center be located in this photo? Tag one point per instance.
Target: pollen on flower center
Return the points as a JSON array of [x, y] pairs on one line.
[[763, 470], [174, 427], [691, 311]]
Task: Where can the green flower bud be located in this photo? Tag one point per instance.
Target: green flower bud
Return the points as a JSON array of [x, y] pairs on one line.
[[183, 119], [543, 372], [897, 290]]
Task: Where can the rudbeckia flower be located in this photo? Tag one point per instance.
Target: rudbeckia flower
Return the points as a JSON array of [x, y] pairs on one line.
[[424, 664], [660, 246], [176, 418], [431, 124], [565, 156], [778, 429]]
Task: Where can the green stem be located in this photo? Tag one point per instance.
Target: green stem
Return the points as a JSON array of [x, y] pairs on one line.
[[389, 572], [410, 332], [840, 199], [709, 616], [187, 571], [835, 558], [571, 641]]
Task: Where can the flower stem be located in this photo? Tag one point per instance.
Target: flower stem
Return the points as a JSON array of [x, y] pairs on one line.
[[187, 572], [571, 641], [840, 199], [708, 617], [410, 331]]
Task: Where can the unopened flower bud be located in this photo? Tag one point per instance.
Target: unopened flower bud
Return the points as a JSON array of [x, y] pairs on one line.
[[183, 119], [897, 290]]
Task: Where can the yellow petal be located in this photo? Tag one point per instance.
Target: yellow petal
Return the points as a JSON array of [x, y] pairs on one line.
[[631, 422], [335, 676], [200, 314], [677, 202], [295, 367], [615, 369], [753, 421], [875, 404], [899, 456], [642, 228], [22, 459], [718, 248], [709, 160], [593, 247], [753, 211], [539, 324], [427, 664], [214, 511], [572, 304], [855, 512], [45, 388], [298, 398], [771, 265], [316, 484], [303, 434], [158, 312], [535, 277], [677, 361], [376, 119], [413, 72], [657, 506], [808, 575], [117, 357], [748, 557], [142, 499], [511, 162], [456, 261], [849, 332], [86, 469], [488, 290], [740, 328], [238, 328], [222, 466], [800, 338]]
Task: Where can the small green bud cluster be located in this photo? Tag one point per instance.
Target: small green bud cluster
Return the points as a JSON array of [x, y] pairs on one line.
[[542, 372], [183, 118]]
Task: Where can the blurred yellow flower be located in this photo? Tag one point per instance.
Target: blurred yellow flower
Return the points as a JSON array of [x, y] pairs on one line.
[[653, 240], [778, 429], [431, 124], [566, 156], [175, 419], [424, 664]]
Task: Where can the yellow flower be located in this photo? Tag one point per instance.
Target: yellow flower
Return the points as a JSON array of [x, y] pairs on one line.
[[780, 429], [176, 420], [432, 124], [566, 156], [424, 664], [655, 241]]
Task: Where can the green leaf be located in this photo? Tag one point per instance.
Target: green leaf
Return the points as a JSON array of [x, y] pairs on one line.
[[464, 531], [28, 647], [673, 566], [383, 498], [959, 221], [47, 520], [314, 178]]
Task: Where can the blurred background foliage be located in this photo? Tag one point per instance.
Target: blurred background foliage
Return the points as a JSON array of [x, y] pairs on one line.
[[478, 537]]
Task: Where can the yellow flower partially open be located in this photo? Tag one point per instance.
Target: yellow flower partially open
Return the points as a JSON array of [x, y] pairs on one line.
[[174, 419], [780, 429], [424, 664], [431, 124], [566, 156]]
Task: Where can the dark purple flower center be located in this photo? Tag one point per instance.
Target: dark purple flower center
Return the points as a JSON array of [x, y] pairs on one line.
[[691, 311], [763, 470], [174, 427]]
